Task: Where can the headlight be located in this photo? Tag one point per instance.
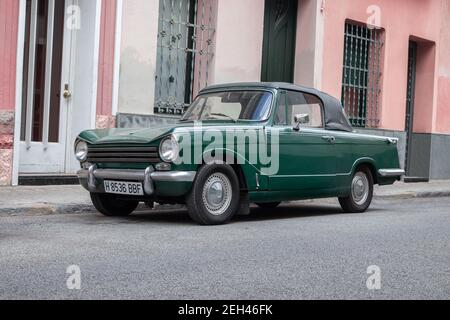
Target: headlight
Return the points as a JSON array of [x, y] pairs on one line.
[[81, 151], [169, 149]]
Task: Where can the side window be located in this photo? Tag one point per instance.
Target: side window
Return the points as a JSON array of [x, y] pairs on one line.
[[303, 103], [281, 114]]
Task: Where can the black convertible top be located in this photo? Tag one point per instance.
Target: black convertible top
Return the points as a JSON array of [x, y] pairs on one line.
[[335, 117]]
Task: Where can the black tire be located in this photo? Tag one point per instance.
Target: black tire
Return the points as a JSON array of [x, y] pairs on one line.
[[271, 205], [197, 203], [351, 204], [110, 206]]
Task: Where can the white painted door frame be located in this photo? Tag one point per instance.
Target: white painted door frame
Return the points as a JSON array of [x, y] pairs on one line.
[[72, 120], [83, 110], [45, 156]]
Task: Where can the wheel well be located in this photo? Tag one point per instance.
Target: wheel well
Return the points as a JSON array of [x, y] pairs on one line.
[[239, 173], [372, 169], [241, 176]]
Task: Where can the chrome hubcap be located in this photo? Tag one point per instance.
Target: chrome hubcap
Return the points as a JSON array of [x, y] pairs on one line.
[[360, 188], [217, 194]]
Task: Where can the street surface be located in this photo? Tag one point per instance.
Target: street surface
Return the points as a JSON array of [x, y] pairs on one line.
[[303, 250]]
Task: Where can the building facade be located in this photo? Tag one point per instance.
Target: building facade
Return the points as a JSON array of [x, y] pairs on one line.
[[70, 65]]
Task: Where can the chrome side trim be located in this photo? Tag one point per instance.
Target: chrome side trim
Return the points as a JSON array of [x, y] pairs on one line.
[[391, 172], [174, 176], [392, 140]]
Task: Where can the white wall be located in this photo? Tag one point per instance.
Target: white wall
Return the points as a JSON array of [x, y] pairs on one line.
[[138, 56], [309, 44], [239, 41]]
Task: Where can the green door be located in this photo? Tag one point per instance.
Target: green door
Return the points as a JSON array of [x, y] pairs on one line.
[[307, 156], [280, 26]]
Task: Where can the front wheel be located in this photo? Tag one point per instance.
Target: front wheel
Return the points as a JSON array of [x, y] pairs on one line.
[[214, 198], [110, 206], [361, 193]]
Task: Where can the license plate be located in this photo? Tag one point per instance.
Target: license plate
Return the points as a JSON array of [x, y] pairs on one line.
[[125, 188]]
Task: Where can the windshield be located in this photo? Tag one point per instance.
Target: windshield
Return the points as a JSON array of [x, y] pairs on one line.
[[232, 105]]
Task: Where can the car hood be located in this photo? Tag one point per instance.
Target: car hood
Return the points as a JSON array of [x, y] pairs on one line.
[[148, 135]]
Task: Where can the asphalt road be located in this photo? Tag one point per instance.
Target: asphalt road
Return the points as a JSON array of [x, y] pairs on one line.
[[306, 250]]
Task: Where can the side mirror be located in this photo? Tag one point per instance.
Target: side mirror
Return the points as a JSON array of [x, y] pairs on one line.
[[300, 119]]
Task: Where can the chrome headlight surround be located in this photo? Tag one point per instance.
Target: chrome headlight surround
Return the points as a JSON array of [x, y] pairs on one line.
[[81, 150], [169, 149]]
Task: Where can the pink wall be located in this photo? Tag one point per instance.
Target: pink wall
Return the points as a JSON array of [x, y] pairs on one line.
[[443, 112], [9, 12], [106, 58], [442, 123], [400, 19]]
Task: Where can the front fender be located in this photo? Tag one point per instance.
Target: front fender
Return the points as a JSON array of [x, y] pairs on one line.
[[253, 175]]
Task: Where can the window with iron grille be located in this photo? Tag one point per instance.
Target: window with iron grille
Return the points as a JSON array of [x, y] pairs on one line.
[[361, 76], [186, 35]]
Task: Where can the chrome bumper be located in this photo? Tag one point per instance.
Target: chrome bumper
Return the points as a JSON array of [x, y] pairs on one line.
[[386, 173], [94, 177]]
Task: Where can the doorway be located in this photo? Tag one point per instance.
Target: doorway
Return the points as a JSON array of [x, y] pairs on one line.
[[410, 99], [46, 87], [419, 109], [280, 28]]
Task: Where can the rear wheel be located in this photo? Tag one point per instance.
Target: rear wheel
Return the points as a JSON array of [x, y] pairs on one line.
[[110, 206], [271, 205], [214, 198], [361, 193]]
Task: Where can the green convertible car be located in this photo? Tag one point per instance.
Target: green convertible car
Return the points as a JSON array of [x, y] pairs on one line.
[[238, 144]]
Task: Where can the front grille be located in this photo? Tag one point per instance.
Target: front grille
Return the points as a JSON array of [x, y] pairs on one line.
[[126, 154]]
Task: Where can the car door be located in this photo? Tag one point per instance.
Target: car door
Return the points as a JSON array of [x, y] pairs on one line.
[[307, 156]]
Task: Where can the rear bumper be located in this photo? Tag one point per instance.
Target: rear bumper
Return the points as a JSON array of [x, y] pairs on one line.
[[391, 173], [93, 178]]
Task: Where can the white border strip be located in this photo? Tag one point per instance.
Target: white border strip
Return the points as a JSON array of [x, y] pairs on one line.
[[19, 82], [117, 56], [48, 71], [98, 19], [31, 73]]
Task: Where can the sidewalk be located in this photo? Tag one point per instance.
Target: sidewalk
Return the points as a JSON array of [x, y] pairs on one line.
[[74, 199]]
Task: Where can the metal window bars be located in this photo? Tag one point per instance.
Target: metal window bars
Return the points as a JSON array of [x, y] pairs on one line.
[[362, 74], [185, 52]]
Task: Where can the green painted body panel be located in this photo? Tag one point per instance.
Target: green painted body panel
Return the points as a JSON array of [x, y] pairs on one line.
[[307, 162], [172, 189], [310, 165]]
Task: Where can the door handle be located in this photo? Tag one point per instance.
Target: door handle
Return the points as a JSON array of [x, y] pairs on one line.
[[66, 93], [329, 139]]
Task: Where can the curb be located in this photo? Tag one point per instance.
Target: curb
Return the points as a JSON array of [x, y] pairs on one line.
[[415, 195], [43, 209], [49, 209]]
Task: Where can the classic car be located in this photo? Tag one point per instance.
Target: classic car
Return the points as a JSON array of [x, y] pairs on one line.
[[238, 144]]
